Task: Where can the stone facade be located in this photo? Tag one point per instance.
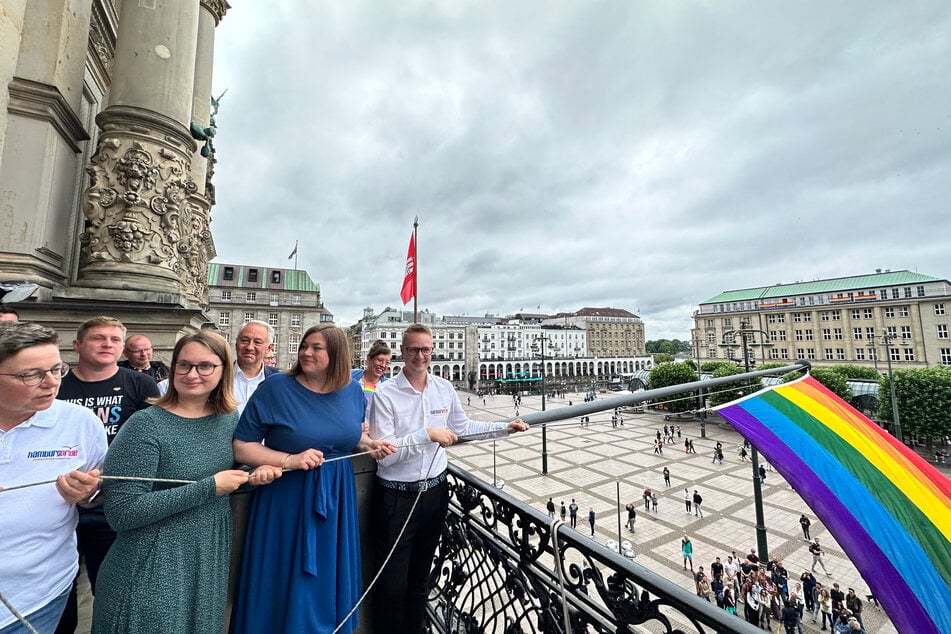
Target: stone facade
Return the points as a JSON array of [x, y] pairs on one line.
[[833, 321], [289, 300], [479, 351], [105, 198], [611, 332]]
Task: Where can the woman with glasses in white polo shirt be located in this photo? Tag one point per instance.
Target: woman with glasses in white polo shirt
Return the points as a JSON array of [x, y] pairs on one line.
[[41, 439]]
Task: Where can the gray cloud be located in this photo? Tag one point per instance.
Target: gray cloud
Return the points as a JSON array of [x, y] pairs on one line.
[[639, 155]]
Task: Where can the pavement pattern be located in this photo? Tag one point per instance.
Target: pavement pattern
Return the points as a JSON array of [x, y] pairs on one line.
[[587, 463]]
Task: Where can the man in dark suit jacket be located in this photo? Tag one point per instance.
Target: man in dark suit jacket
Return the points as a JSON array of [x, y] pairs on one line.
[[255, 341]]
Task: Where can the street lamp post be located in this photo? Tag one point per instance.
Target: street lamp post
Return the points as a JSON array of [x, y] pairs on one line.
[[761, 545], [543, 339], [873, 353], [886, 341], [700, 407]]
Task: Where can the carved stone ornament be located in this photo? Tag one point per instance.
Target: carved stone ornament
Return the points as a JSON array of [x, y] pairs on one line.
[[140, 210], [217, 8], [102, 36]]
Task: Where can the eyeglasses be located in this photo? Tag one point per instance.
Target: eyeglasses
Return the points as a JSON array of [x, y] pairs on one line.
[[203, 369], [32, 378], [412, 352]]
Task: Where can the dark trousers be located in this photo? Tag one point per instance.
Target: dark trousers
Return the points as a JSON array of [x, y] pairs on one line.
[[403, 586], [94, 539]]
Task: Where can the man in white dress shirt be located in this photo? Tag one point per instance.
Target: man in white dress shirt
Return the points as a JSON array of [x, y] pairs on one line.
[[421, 414]]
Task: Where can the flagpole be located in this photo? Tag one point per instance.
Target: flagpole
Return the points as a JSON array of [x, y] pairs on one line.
[[296, 245], [416, 268]]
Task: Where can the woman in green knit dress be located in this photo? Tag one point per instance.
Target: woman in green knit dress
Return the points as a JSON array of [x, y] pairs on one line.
[[168, 568]]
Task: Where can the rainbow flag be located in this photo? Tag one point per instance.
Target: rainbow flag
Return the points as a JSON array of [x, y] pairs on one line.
[[887, 507]]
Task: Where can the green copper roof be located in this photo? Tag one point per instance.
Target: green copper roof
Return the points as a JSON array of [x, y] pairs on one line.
[[291, 280], [857, 282]]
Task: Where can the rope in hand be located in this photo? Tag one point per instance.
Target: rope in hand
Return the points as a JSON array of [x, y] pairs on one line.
[[467, 437], [475, 437], [101, 477], [174, 481]]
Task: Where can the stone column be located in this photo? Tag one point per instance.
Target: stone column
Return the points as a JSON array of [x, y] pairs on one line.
[[203, 120], [42, 54], [11, 28], [142, 228], [203, 111]]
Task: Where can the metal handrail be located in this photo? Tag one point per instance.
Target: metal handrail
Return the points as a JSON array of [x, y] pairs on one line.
[[496, 571], [626, 400]]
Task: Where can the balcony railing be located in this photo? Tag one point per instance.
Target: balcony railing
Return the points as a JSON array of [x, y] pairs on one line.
[[503, 566]]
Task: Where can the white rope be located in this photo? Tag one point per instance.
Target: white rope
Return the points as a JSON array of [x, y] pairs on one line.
[[101, 477], [555, 523], [19, 616], [389, 555]]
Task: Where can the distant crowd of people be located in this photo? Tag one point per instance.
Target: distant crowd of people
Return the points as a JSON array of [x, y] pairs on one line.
[[768, 594]]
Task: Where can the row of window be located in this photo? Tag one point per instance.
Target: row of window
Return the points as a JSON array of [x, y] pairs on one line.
[[251, 297], [436, 335], [820, 300], [829, 334], [889, 312], [273, 319], [839, 354], [228, 275]]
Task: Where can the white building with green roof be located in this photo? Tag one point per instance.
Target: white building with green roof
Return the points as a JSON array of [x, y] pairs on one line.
[[287, 299], [833, 321]]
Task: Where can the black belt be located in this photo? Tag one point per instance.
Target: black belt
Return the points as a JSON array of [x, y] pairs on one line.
[[419, 485]]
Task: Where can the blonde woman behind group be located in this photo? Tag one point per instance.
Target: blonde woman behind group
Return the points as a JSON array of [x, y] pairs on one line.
[[378, 359], [168, 568]]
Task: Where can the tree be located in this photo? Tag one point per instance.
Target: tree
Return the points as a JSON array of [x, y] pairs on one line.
[[665, 346], [730, 391], [668, 374], [850, 371], [681, 346], [924, 400], [834, 381], [663, 357], [711, 366]]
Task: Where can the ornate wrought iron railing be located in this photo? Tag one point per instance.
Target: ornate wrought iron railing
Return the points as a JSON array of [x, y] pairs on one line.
[[503, 567]]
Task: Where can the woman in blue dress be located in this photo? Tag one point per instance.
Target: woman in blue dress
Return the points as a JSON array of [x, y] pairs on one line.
[[300, 570]]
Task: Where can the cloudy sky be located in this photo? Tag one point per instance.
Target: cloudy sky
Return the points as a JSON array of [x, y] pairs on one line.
[[561, 154]]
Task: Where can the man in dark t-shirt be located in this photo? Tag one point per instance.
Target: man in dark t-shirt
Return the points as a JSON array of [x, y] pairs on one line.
[[113, 394]]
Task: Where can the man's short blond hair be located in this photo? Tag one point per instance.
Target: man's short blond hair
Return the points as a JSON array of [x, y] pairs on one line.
[[416, 329], [98, 322]]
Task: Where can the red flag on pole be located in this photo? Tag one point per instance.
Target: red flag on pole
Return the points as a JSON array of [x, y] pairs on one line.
[[409, 282]]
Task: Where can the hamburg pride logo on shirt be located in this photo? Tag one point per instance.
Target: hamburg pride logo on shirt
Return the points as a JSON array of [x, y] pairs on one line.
[[53, 454]]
